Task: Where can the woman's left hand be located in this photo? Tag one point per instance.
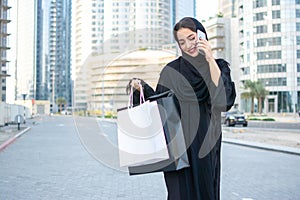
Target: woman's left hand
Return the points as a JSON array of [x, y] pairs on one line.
[[205, 48]]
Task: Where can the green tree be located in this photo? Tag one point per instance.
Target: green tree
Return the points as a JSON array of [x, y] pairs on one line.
[[260, 94], [60, 101], [250, 94], [255, 89]]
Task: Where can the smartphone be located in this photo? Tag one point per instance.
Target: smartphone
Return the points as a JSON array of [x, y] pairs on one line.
[[201, 34]]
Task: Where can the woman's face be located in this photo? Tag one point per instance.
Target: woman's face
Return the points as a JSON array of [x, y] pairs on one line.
[[187, 40]]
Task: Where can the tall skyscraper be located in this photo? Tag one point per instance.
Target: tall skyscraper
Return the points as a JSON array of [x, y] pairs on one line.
[[43, 45], [269, 42], [182, 8], [4, 20], [40, 78], [59, 52], [26, 37]]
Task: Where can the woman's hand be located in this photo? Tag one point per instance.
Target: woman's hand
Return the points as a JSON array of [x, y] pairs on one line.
[[135, 83], [205, 48]]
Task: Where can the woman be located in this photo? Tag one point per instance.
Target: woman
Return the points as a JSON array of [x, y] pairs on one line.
[[204, 89]]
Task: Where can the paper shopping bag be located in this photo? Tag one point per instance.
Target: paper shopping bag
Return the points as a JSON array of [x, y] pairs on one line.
[[178, 158], [141, 138]]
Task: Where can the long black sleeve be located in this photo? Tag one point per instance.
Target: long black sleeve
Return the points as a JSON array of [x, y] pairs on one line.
[[228, 83]]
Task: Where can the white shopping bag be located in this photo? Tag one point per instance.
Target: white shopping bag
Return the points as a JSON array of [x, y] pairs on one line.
[[141, 138]]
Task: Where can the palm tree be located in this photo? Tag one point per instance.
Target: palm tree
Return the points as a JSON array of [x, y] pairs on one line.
[[250, 94], [255, 90], [260, 94], [60, 101]]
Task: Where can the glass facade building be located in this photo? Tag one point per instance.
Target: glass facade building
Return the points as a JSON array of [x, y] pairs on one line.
[[59, 53]]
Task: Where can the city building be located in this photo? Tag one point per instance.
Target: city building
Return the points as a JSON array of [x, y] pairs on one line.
[[268, 49], [42, 51], [58, 60], [118, 27], [25, 48], [108, 75], [4, 46], [182, 8]]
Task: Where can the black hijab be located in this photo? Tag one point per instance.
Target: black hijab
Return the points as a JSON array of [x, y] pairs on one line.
[[192, 83]]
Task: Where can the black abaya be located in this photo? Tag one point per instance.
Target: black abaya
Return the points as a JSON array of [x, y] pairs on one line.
[[201, 104]]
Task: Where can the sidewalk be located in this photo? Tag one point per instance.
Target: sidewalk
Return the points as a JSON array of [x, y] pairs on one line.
[[8, 134]]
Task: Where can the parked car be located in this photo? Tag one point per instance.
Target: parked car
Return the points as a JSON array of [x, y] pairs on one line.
[[234, 117]]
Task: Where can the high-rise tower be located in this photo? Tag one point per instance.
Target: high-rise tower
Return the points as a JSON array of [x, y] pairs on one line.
[[59, 53], [4, 20]]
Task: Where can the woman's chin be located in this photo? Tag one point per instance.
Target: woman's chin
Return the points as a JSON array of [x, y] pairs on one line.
[[193, 54]]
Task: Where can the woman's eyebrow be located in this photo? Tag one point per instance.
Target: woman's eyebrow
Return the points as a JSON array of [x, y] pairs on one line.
[[191, 35]]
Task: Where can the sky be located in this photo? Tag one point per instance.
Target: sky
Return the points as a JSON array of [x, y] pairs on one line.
[[208, 9]]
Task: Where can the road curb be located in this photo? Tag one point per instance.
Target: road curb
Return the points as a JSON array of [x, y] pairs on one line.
[[264, 146], [11, 140]]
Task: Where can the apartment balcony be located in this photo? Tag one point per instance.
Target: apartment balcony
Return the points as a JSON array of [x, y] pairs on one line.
[[4, 47], [3, 20], [4, 34], [4, 4]]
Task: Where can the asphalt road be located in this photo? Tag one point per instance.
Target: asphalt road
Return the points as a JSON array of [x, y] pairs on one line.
[[63, 158]]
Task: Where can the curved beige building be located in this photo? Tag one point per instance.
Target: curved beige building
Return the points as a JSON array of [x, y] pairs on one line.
[[102, 85]]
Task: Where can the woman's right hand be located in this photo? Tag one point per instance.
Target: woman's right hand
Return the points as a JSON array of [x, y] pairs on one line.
[[135, 83]]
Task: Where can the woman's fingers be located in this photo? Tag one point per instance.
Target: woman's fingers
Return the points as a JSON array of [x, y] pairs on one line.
[[136, 83], [204, 47]]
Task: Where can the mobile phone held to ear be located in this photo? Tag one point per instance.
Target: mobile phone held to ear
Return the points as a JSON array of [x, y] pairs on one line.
[[201, 35]]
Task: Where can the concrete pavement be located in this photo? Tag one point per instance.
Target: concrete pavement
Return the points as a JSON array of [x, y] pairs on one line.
[[52, 161], [273, 140]]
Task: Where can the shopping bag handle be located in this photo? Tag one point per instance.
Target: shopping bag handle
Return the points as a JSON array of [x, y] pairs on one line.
[[167, 93], [142, 97]]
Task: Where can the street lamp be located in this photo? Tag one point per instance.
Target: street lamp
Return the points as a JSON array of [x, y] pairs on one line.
[[24, 97]]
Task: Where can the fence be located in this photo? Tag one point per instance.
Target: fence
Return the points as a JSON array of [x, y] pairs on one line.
[[8, 113]]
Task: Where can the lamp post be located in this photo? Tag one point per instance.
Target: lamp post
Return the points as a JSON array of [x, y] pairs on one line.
[[103, 115], [24, 97]]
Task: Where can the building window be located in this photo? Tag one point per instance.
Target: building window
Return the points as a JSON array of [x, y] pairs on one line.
[[259, 3], [298, 54], [276, 27], [261, 29], [298, 67], [276, 41], [298, 40], [273, 81], [297, 13], [275, 2], [260, 16], [271, 68], [298, 81], [246, 70], [298, 2], [297, 26], [276, 14], [269, 55]]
